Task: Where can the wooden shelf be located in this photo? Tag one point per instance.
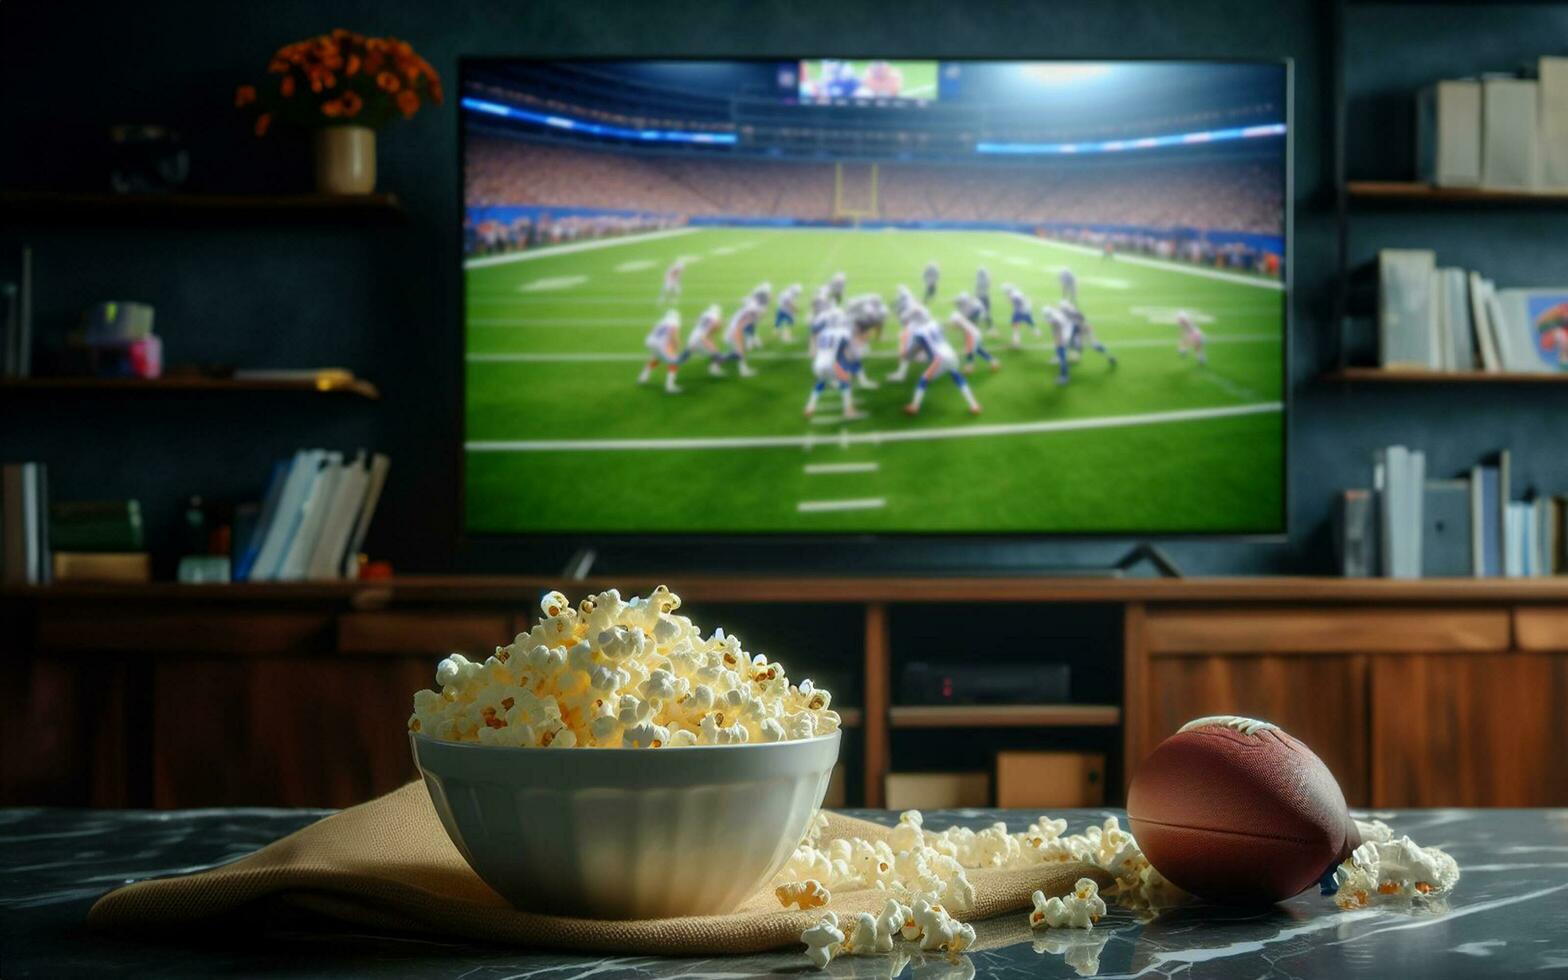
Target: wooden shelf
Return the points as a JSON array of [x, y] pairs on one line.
[[47, 207], [1004, 716], [850, 717], [525, 590], [355, 386], [1411, 192], [1386, 376]]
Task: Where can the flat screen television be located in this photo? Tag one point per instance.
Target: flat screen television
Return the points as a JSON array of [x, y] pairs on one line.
[[827, 296]]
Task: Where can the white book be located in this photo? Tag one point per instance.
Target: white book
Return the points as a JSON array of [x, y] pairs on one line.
[[1554, 123], [1405, 307], [1439, 343], [286, 517], [31, 530], [1485, 338], [1414, 515], [1510, 156], [1514, 529], [313, 511], [1448, 134], [1461, 331], [326, 560], [379, 464]]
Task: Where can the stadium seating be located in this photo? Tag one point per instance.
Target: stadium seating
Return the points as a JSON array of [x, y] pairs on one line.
[[1222, 194]]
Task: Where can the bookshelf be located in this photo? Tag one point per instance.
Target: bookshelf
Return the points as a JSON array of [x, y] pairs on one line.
[[1375, 375], [1004, 716], [172, 385], [1412, 192], [62, 207]]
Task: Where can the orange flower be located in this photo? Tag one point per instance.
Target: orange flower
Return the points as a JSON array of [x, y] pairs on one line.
[[352, 103], [434, 89], [244, 95], [407, 103], [388, 82], [277, 65], [262, 122], [332, 108], [353, 65], [373, 60], [286, 86]]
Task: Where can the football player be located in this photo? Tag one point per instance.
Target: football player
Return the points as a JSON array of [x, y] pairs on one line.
[[831, 350], [983, 295], [836, 288], [932, 274], [784, 316], [1071, 328], [972, 344], [672, 282], [760, 297], [742, 324], [925, 337], [1191, 337], [906, 353], [867, 312], [700, 340], [821, 306], [1069, 285], [1021, 314], [663, 344]]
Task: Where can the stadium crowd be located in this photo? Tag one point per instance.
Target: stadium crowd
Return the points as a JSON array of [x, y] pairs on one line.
[[1211, 193]]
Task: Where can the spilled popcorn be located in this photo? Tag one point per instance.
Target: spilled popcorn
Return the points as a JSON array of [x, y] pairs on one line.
[[924, 875], [1079, 909], [808, 894], [1388, 870], [613, 673]]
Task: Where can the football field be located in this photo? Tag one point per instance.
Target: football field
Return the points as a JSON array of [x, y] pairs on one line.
[[560, 437]]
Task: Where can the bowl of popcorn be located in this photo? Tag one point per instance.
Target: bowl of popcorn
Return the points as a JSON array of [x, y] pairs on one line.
[[614, 763]]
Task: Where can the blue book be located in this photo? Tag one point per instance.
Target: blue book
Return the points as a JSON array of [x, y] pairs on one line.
[[1488, 517], [280, 531], [269, 509]]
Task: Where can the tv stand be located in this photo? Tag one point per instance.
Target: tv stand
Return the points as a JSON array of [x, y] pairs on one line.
[[1154, 555]]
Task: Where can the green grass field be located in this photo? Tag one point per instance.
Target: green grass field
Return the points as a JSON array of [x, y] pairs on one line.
[[561, 438]]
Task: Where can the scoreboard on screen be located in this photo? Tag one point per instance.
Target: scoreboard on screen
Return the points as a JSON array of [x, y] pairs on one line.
[[833, 79]]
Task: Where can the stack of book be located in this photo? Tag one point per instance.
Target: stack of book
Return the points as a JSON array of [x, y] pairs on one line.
[[1409, 526], [313, 520], [24, 524], [1451, 319], [98, 541], [1498, 131]]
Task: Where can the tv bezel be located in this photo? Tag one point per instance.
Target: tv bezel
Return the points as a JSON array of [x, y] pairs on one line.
[[490, 546]]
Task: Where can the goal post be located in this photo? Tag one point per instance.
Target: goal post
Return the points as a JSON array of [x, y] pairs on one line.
[[855, 191]]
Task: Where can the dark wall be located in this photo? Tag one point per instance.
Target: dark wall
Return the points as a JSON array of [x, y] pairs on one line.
[[384, 301]]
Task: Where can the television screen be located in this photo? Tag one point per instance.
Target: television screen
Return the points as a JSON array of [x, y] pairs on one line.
[[826, 296]]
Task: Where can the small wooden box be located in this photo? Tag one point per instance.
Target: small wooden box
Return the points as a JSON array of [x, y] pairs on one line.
[[1036, 780], [936, 790]]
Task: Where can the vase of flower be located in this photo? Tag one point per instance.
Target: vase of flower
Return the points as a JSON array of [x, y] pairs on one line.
[[345, 159], [343, 86]]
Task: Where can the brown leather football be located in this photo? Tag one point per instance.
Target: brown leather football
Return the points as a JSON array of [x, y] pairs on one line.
[[1235, 810]]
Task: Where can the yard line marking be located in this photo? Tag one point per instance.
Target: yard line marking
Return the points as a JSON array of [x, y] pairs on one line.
[[723, 250], [824, 469], [1180, 267], [589, 357], [872, 438], [821, 506], [1016, 260], [835, 419], [1105, 281], [546, 251], [1236, 390], [552, 282], [635, 265]]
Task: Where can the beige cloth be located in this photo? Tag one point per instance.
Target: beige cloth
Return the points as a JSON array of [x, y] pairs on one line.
[[389, 865]]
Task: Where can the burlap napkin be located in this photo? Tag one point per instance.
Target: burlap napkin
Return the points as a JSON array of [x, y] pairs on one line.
[[388, 865]]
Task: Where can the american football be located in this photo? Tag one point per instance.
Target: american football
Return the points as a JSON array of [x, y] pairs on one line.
[[1236, 810]]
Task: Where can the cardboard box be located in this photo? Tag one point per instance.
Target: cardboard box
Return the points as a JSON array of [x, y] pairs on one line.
[[936, 790], [1041, 780]]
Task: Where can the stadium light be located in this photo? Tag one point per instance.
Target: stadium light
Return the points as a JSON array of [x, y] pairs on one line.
[[1143, 143], [596, 129]]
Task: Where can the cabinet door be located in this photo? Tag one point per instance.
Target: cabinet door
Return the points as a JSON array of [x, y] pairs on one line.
[[1319, 698], [1470, 730]]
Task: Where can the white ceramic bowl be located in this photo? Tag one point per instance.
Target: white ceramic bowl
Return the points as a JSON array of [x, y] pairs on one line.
[[627, 833]]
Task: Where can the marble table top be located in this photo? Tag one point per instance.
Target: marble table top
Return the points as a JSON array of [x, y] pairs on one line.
[[1508, 916]]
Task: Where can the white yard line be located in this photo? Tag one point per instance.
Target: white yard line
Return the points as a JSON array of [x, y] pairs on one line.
[[589, 357], [551, 282], [546, 251], [1181, 267], [822, 506], [847, 439], [825, 469], [635, 265]]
